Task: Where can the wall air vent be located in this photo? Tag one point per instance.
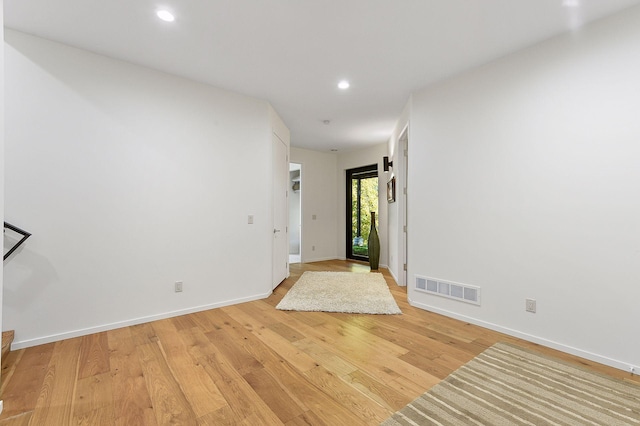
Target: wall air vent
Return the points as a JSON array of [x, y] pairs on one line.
[[450, 290]]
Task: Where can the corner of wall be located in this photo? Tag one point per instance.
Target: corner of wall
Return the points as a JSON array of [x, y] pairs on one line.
[[1, 151]]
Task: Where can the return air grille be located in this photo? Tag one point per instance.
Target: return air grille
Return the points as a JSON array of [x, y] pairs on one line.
[[450, 290]]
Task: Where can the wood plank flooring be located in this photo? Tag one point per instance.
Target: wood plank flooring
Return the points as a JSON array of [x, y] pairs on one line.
[[247, 364]]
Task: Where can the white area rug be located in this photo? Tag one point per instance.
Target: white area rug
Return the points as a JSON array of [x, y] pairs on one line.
[[349, 292]]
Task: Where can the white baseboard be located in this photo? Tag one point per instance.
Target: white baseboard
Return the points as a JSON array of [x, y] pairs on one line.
[[319, 259], [322, 259], [528, 337], [21, 344], [395, 278]]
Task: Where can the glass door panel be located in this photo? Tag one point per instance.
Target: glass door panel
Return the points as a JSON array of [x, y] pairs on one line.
[[362, 199]]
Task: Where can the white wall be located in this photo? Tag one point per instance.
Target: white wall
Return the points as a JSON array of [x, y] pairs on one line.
[[127, 178], [359, 158], [319, 199], [524, 180]]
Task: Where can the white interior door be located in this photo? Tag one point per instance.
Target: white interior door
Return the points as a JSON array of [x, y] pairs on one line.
[[280, 250]]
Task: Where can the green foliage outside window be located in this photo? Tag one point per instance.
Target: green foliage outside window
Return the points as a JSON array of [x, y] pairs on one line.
[[368, 204]]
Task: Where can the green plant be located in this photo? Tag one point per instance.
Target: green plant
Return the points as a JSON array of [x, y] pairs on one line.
[[361, 250]]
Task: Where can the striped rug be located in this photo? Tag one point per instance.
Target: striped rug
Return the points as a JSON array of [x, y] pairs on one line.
[[508, 385]]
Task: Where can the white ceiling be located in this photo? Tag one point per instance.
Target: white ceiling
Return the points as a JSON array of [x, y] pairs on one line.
[[292, 53]]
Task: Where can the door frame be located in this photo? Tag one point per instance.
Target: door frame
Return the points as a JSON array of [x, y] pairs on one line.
[[280, 236], [403, 148], [373, 169], [301, 213]]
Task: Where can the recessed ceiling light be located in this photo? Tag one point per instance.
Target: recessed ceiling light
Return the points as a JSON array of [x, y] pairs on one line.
[[344, 84], [165, 15]]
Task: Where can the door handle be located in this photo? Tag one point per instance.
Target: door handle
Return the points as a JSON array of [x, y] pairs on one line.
[[276, 230]]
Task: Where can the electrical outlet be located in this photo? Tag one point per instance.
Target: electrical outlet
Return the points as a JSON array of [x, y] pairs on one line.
[[250, 219], [531, 305], [178, 286], [632, 370]]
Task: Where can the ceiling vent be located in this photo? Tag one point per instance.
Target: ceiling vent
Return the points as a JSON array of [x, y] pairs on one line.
[[450, 290]]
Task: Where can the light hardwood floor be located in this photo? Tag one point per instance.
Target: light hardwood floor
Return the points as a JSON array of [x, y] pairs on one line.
[[247, 364]]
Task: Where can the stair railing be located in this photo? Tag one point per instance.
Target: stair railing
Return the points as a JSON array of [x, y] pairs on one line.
[[22, 232]]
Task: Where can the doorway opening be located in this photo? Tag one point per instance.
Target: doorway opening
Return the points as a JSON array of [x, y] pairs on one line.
[[295, 213], [362, 199]]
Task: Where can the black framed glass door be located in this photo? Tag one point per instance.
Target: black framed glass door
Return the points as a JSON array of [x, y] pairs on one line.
[[362, 199]]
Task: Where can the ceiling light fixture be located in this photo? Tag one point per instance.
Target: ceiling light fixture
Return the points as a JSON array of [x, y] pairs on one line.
[[344, 84], [165, 15], [571, 3]]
